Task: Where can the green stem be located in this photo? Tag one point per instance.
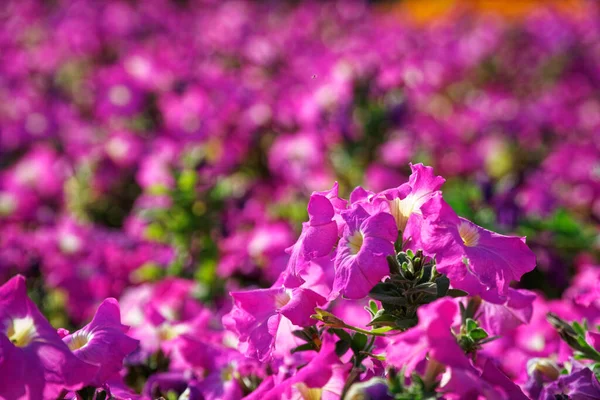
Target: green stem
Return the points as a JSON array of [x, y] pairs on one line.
[[357, 329]]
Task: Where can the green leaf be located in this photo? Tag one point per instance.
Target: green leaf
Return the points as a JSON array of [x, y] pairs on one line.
[[341, 347], [302, 335], [471, 324], [393, 264], [383, 320], [359, 341], [456, 293], [426, 273], [478, 334], [342, 334], [305, 347], [578, 328], [382, 329], [372, 308], [406, 323], [443, 284]]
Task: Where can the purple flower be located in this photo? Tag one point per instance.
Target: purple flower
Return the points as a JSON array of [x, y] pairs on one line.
[[103, 341], [360, 261], [406, 200], [489, 383], [256, 315], [517, 309], [34, 362], [581, 384], [432, 336], [317, 239], [475, 259], [323, 377]]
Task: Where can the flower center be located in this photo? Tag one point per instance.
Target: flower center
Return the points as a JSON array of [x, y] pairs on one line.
[[281, 299], [69, 243], [167, 331], [401, 210], [307, 393], [469, 234], [21, 331], [355, 242], [119, 95], [78, 340], [7, 203]]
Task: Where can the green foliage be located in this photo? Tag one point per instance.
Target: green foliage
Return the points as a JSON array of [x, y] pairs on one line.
[[417, 389], [312, 338], [413, 282], [574, 335]]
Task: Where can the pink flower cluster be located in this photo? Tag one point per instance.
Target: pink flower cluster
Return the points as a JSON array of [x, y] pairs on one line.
[[162, 152], [341, 255], [445, 319], [37, 362]]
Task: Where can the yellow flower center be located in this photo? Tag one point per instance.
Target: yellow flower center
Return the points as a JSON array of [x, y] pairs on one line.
[[21, 331], [281, 299], [355, 242], [468, 233], [167, 331], [307, 393], [78, 340], [401, 210]]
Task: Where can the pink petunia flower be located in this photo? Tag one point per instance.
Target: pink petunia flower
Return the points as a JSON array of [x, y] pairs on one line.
[[103, 341], [405, 201], [474, 259], [256, 315], [361, 254], [34, 361], [317, 239]]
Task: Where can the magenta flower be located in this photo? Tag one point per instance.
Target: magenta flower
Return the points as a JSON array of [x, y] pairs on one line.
[[432, 336], [323, 378], [593, 338], [256, 315], [489, 383], [406, 200], [475, 259], [517, 309], [317, 239], [103, 341], [581, 384], [361, 255], [34, 362]]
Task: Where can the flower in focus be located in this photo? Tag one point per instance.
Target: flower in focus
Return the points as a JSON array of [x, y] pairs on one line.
[[103, 341], [317, 239], [406, 200], [361, 254], [34, 362], [473, 258], [432, 337], [256, 315]]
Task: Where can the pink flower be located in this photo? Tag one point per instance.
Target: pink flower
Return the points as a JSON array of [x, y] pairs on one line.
[[489, 383], [406, 200], [103, 341], [34, 362], [256, 315], [517, 309], [317, 239], [324, 374], [432, 336], [475, 259], [360, 261]]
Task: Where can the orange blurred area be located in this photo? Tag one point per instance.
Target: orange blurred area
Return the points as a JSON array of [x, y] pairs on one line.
[[424, 11]]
